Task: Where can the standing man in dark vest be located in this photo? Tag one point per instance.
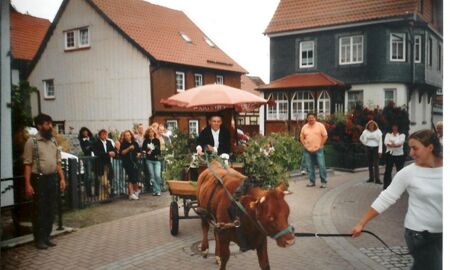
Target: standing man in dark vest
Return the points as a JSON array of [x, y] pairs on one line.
[[42, 167], [215, 138], [104, 150]]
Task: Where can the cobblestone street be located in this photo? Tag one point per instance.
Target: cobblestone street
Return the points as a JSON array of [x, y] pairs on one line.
[[143, 241]]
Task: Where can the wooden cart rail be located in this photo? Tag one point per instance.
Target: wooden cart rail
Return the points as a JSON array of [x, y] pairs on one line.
[[182, 188]]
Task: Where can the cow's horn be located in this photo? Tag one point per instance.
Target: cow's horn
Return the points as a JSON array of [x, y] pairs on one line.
[[262, 199], [287, 192]]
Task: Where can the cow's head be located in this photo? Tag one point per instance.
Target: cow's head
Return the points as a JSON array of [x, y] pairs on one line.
[[272, 212]]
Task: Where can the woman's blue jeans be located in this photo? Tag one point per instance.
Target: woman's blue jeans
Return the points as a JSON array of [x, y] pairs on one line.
[[154, 167], [319, 157]]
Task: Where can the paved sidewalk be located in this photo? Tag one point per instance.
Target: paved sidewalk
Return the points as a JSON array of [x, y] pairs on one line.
[[143, 241]]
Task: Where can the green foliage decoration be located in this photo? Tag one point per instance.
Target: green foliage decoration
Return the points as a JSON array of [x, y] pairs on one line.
[[268, 160], [178, 155]]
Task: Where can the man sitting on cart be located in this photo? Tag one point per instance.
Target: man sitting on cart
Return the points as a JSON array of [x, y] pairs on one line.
[[214, 138]]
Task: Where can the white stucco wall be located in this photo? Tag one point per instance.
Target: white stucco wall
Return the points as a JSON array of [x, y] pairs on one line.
[[419, 112], [105, 86], [15, 77], [373, 94]]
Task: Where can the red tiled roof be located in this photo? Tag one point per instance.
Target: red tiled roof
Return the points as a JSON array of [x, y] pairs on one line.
[[295, 15], [27, 33], [303, 80], [157, 30], [250, 83]]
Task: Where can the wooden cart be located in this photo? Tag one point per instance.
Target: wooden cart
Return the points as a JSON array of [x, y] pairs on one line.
[[187, 192]]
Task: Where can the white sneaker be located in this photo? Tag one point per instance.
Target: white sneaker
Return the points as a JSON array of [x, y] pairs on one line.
[[137, 193], [133, 197], [303, 172]]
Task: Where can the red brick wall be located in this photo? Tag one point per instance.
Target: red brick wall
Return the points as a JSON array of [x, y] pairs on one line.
[[183, 120], [428, 7], [163, 84], [293, 127]]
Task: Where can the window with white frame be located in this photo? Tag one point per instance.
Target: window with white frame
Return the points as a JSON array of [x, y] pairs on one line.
[[219, 79], [193, 127], [355, 98], [390, 94], [430, 52], [302, 103], [69, 40], [323, 104], [279, 110], [398, 47], [180, 81], [49, 89], [77, 38], [198, 78], [351, 50], [306, 54], [417, 49], [60, 127], [172, 125], [84, 37]]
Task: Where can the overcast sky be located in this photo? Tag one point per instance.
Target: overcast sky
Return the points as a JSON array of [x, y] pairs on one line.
[[236, 26]]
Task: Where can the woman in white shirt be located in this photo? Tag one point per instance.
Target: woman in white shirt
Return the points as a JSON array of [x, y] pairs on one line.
[[423, 182], [372, 138], [394, 153]]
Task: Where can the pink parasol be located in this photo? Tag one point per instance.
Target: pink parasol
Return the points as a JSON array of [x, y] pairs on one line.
[[215, 97]]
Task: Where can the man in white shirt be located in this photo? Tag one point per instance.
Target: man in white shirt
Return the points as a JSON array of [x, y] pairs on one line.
[[214, 138]]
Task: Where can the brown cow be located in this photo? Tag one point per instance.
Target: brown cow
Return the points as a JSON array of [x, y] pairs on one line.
[[266, 206]]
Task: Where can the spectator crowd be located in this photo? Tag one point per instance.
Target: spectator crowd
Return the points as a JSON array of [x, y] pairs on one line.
[[134, 154]]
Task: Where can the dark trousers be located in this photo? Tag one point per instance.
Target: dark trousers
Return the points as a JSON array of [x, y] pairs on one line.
[[374, 159], [90, 178], [399, 161], [425, 248], [44, 205]]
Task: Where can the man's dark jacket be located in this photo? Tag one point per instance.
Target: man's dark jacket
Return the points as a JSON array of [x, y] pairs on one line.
[[206, 137], [103, 157]]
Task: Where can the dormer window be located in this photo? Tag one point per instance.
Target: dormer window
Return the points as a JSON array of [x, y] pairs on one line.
[[186, 37], [209, 42]]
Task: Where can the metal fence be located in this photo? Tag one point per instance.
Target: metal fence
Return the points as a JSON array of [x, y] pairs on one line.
[[346, 155], [87, 184], [21, 205], [349, 156]]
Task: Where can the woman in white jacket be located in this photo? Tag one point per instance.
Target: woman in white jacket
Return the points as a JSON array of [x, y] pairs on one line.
[[423, 182], [394, 153], [372, 138]]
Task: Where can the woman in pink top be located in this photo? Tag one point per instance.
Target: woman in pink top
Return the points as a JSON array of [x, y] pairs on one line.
[[313, 136]]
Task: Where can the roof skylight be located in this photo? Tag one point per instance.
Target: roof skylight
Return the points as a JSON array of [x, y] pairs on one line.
[[185, 37], [209, 42]]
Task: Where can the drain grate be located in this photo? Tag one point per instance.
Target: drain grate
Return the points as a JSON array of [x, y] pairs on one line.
[[388, 259]]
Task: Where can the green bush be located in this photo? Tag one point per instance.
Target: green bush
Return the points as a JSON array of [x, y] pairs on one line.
[[268, 160], [178, 155]]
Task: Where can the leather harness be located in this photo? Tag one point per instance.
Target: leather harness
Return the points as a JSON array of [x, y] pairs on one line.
[[238, 205]]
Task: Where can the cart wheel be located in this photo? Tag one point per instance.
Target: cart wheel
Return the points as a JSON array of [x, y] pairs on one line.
[[173, 218]]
